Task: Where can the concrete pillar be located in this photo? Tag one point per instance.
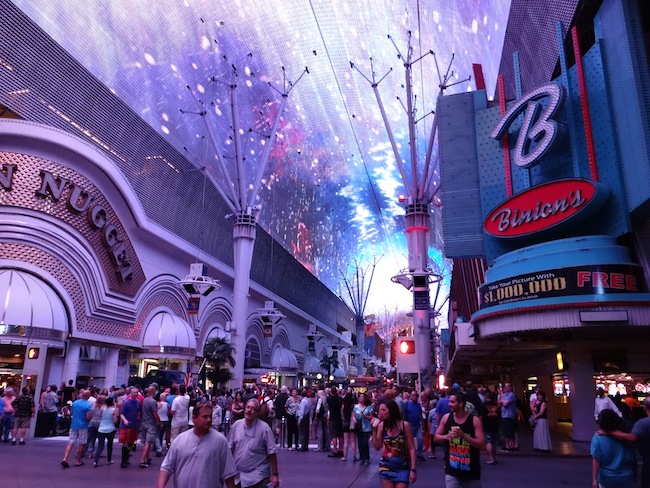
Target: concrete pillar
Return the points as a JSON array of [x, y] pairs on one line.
[[581, 383], [71, 367], [110, 366], [244, 241]]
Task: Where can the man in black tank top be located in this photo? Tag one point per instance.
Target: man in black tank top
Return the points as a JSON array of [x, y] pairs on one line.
[[462, 433]]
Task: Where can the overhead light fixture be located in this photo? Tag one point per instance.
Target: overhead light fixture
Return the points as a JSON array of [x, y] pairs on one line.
[[269, 314], [197, 282]]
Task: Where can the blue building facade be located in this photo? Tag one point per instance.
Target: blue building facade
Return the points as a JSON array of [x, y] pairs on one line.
[[548, 186]]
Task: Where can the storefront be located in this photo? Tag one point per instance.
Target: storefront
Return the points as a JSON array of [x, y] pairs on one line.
[[558, 217]]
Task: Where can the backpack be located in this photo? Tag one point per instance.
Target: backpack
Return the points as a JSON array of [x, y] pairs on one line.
[[264, 411]]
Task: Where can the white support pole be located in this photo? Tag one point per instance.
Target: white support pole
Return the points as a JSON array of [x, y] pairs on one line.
[[267, 151], [391, 138], [244, 234], [241, 170], [232, 201]]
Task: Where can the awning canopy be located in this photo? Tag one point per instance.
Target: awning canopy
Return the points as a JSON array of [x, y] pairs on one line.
[[284, 360], [339, 373], [30, 310], [169, 336], [311, 365]]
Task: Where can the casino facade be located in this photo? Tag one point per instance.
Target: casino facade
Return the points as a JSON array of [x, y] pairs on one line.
[[546, 210]]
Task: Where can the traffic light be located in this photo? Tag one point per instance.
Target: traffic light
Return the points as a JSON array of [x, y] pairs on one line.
[[32, 353], [407, 346], [406, 356]]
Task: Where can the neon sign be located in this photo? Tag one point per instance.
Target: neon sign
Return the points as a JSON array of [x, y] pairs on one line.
[[543, 207], [539, 129]]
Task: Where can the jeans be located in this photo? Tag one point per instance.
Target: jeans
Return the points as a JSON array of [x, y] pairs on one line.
[[304, 432], [364, 447], [323, 434], [6, 424], [92, 437], [108, 437], [417, 435], [292, 430]]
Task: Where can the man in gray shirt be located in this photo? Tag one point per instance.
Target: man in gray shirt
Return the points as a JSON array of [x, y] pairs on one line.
[[149, 426], [199, 457], [253, 447]]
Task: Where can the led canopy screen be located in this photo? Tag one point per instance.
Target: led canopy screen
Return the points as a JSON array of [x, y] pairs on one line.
[[330, 192]]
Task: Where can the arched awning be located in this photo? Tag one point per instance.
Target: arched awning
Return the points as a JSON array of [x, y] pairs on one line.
[[168, 336], [339, 374], [30, 310], [284, 360], [311, 365]]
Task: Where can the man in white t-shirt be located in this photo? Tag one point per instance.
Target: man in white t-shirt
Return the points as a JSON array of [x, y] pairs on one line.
[[602, 402], [179, 412]]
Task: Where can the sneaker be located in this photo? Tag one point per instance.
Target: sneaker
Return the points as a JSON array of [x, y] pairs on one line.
[[94, 465], [158, 453], [22, 443], [144, 465], [124, 465], [13, 443], [333, 454]]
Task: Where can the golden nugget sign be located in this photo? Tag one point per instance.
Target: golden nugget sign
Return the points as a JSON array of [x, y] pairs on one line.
[[71, 201]]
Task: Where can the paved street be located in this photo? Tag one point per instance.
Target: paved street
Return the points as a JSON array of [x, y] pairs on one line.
[[37, 464]]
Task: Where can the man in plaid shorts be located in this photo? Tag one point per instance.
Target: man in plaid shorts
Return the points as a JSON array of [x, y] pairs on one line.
[[81, 414]]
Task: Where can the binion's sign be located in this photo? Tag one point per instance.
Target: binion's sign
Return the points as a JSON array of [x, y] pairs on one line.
[[545, 207], [548, 206]]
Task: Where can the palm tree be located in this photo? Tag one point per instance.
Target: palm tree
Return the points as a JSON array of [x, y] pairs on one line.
[[219, 353], [329, 363]]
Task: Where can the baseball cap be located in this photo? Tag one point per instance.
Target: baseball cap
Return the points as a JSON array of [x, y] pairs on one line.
[[455, 386]]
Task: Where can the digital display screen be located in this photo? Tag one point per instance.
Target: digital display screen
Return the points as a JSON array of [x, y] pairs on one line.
[[330, 191]]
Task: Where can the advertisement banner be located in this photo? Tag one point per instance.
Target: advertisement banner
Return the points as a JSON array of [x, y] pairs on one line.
[[603, 279]]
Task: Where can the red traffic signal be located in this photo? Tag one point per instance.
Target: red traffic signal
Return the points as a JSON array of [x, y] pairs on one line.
[[407, 346], [32, 353]]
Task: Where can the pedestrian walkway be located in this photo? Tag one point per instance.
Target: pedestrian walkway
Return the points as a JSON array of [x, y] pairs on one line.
[[36, 464]]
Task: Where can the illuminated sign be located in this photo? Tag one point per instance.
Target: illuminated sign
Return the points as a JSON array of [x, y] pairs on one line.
[[33, 352], [538, 129], [45, 186], [604, 279], [544, 206]]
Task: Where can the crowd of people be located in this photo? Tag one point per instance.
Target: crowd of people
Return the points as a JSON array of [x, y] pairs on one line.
[[231, 438]]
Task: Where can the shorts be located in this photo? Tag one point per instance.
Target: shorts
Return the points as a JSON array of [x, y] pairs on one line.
[[148, 434], [508, 427], [491, 437], [128, 436], [453, 482], [78, 436], [336, 429], [394, 469], [22, 423]]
